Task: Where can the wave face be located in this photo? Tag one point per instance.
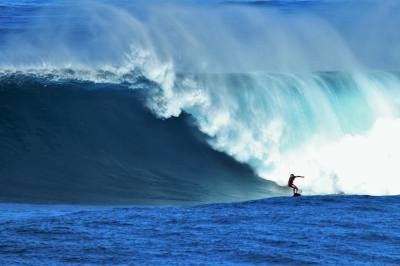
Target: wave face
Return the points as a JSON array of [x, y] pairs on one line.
[[278, 88], [85, 143]]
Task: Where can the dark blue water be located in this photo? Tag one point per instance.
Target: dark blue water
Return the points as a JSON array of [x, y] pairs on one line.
[[329, 230], [81, 142]]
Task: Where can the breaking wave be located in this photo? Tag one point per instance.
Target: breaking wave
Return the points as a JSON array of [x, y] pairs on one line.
[[280, 91]]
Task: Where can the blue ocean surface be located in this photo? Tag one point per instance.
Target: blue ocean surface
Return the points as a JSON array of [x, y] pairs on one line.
[[319, 230]]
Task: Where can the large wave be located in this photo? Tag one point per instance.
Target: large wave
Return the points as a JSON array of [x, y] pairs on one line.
[[283, 91], [81, 142]]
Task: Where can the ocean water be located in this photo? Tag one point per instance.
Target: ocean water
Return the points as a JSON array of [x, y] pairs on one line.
[[328, 230], [164, 132]]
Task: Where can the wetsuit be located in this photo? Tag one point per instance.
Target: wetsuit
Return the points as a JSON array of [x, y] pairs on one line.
[[290, 184]]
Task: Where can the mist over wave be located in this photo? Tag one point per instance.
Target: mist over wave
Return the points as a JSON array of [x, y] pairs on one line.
[[282, 89]]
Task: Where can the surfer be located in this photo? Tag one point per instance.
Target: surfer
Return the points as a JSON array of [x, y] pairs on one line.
[[290, 183]]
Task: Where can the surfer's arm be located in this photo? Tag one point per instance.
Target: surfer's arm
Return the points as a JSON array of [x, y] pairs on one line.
[[300, 176]]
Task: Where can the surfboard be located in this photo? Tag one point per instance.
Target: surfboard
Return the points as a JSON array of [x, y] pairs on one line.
[[296, 195]]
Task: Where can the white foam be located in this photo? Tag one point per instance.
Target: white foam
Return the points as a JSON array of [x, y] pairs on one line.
[[354, 164], [343, 136]]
